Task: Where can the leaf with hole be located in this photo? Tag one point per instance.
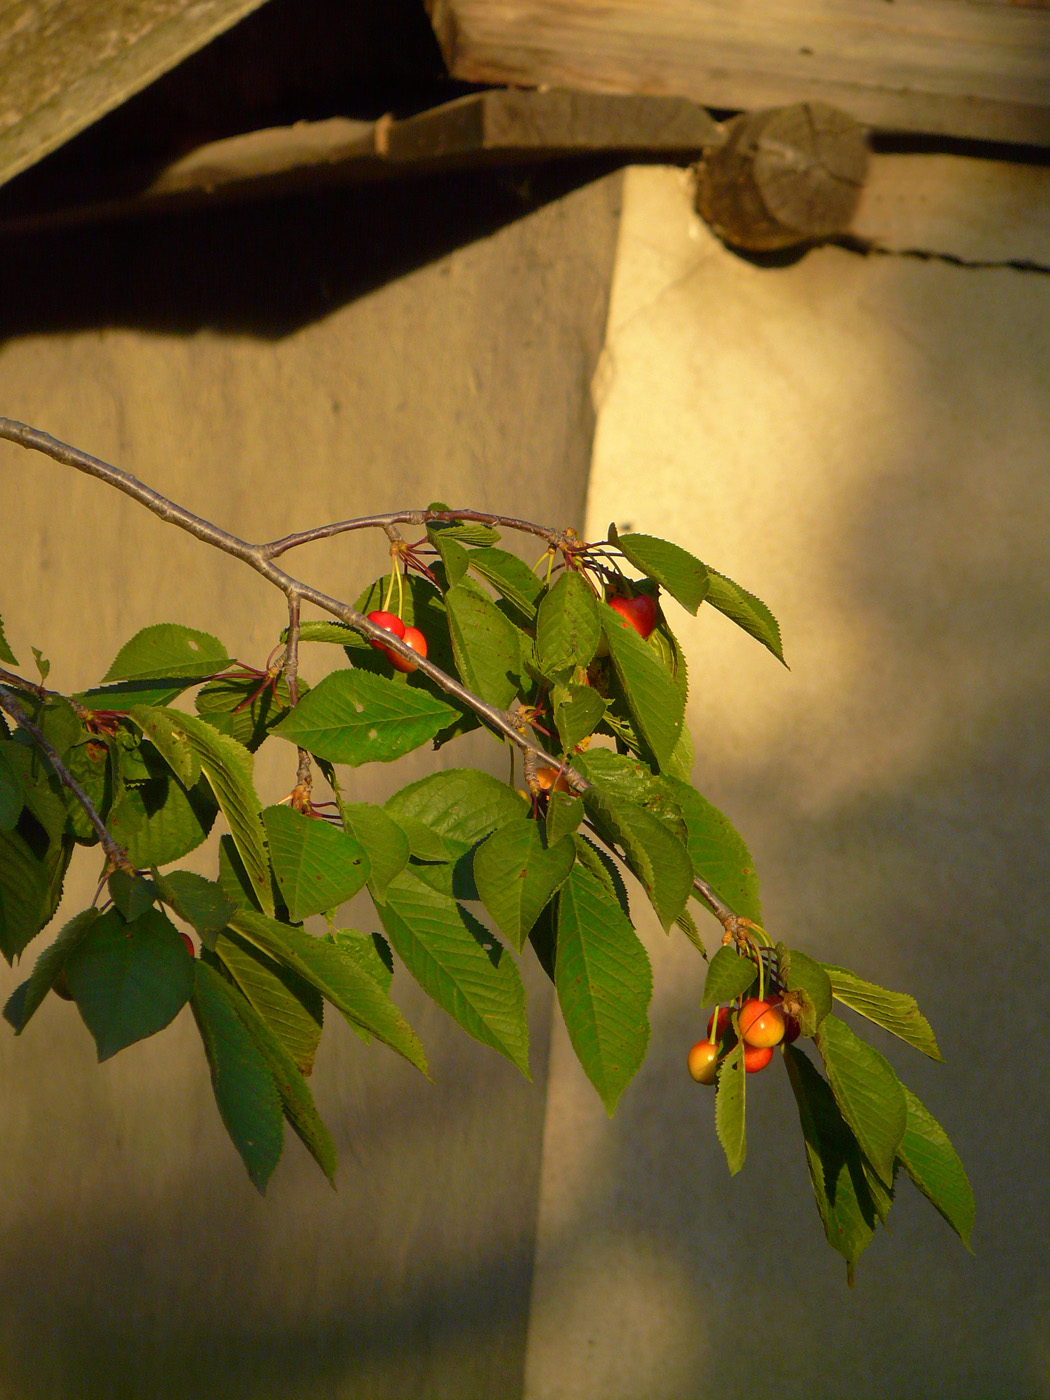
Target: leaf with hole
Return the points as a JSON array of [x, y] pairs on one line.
[[168, 650], [354, 717], [729, 1108]]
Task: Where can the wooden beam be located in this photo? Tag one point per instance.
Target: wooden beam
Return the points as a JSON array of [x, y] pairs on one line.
[[481, 128], [944, 67]]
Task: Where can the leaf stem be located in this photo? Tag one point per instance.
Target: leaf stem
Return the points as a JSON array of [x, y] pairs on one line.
[[116, 853]]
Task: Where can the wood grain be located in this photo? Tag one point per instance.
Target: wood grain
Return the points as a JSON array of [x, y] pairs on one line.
[[945, 67]]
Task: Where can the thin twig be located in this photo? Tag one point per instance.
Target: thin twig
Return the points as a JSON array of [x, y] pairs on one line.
[[558, 538], [116, 853], [304, 777], [259, 557]]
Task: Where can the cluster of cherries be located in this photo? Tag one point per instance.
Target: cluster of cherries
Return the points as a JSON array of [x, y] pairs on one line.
[[411, 636], [761, 1025]]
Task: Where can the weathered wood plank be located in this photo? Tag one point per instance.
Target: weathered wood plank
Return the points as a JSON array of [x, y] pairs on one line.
[[940, 66], [481, 127], [65, 63]]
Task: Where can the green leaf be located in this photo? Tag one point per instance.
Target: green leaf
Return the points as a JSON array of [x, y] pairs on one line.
[[729, 1108], [655, 854], [384, 842], [10, 791], [89, 764], [745, 610], [604, 984], [42, 663], [164, 731], [484, 644], [337, 977], [228, 767], [460, 805], [567, 626], [656, 704], [836, 1169], [244, 1087], [159, 821], [452, 555], [869, 1095], [718, 853], [934, 1166], [129, 980], [469, 531], [202, 903], [510, 576], [317, 866], [122, 698], [168, 650], [6, 654], [132, 894], [804, 975], [371, 950], [328, 630], [673, 568], [354, 717], [578, 715], [373, 953], [299, 1107], [728, 976], [458, 963], [237, 706], [895, 1012], [292, 1007], [517, 875], [26, 998], [25, 882], [564, 814], [604, 869]]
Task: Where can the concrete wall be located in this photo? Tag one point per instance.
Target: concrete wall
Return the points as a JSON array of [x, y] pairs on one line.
[[862, 442], [271, 369]]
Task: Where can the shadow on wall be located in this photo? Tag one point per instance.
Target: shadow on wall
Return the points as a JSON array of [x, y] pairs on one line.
[[236, 272], [895, 791], [140, 1264]]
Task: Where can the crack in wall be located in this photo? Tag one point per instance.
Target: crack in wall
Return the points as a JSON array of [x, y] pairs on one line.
[[868, 247]]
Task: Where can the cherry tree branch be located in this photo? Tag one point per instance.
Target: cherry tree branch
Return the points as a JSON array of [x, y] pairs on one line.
[[260, 556], [116, 853]]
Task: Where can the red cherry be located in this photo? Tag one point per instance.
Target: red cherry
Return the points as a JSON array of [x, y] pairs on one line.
[[761, 1023], [188, 942], [391, 623], [413, 638], [703, 1062], [640, 612], [756, 1057]]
